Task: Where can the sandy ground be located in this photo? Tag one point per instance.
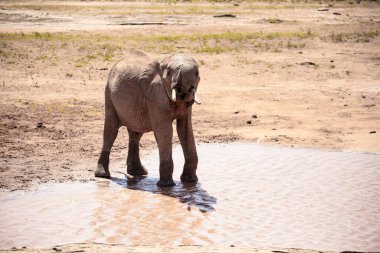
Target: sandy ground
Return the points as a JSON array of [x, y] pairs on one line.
[[304, 74], [154, 249]]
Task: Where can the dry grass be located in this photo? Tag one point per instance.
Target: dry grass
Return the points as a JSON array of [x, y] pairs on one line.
[[54, 47]]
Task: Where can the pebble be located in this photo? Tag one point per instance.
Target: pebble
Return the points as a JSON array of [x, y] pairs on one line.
[[307, 63], [228, 15]]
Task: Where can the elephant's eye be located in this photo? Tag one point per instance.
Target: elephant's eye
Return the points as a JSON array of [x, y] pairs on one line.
[[197, 73]]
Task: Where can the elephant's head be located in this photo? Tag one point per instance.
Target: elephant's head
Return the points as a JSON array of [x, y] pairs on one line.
[[174, 79]]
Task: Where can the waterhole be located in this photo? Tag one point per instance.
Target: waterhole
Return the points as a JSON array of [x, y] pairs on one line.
[[248, 195]]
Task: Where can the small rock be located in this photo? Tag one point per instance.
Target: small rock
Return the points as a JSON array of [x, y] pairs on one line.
[[225, 16], [56, 249], [103, 69], [236, 112], [337, 13], [232, 246], [307, 63], [254, 116], [363, 96], [324, 9], [300, 52], [332, 61], [274, 129], [372, 132], [188, 208], [345, 105], [40, 125], [249, 122]]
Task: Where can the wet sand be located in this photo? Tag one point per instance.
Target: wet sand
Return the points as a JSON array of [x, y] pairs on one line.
[[249, 195]]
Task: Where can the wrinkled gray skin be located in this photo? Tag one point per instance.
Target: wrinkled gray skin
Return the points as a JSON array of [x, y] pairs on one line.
[[147, 95]]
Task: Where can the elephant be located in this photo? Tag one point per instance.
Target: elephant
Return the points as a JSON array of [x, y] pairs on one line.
[[146, 95]]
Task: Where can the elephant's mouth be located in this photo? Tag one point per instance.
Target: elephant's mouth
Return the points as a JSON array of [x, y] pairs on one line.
[[188, 97]]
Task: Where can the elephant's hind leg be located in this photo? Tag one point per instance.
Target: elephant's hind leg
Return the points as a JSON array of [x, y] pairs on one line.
[[134, 166], [111, 128]]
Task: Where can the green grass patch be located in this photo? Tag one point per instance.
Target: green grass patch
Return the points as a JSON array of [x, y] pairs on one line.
[[364, 36], [273, 20]]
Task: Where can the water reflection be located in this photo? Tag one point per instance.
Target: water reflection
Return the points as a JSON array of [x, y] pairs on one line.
[[191, 193]]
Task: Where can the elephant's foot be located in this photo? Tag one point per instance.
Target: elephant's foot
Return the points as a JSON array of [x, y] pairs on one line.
[[102, 171], [137, 170], [189, 178], [165, 183]]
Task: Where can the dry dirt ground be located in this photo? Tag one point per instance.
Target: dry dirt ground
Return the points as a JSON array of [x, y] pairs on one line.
[[72, 248], [296, 74]]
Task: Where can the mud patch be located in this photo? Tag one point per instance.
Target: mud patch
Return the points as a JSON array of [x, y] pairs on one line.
[[248, 195]]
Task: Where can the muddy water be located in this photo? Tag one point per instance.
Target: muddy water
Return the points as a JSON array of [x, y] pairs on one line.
[[249, 195]]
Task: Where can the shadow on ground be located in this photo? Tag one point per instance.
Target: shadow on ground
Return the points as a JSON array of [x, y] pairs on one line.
[[191, 193]]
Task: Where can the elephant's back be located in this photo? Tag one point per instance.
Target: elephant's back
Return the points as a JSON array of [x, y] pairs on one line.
[[128, 68], [126, 95]]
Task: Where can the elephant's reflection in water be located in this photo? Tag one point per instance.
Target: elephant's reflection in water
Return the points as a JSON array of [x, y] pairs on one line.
[[191, 193], [128, 213]]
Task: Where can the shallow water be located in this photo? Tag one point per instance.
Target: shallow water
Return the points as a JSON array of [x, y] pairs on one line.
[[248, 195]]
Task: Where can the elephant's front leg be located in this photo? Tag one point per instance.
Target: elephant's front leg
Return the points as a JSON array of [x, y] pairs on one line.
[[163, 132], [186, 137]]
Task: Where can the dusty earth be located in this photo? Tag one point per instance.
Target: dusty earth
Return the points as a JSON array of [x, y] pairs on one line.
[[71, 248], [297, 74]]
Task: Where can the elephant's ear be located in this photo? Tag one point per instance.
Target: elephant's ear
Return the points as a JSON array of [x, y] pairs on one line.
[[152, 86]]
